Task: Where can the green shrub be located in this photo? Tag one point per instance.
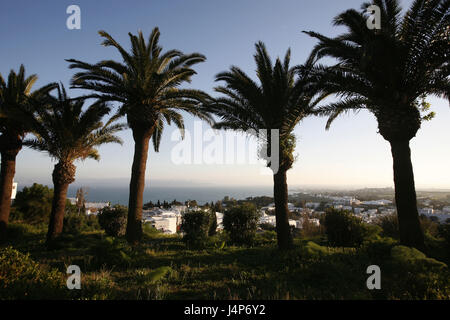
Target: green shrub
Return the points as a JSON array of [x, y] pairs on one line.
[[23, 278], [343, 229], [196, 226], [267, 226], [241, 223], [75, 223], [429, 227], [313, 250], [389, 225], [32, 204], [212, 223], [112, 252], [415, 259], [113, 220], [379, 249], [149, 230], [444, 232]]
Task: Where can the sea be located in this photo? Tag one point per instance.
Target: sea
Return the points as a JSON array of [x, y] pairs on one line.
[[119, 195]]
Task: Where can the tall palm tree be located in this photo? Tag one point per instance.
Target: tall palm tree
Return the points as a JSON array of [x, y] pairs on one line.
[[389, 72], [146, 84], [67, 133], [282, 98], [15, 93]]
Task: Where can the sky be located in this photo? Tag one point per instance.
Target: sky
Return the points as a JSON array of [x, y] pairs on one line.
[[351, 153]]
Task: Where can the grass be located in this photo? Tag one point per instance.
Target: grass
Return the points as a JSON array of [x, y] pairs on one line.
[[163, 268]]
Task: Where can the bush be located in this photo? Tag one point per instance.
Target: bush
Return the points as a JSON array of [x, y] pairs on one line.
[[379, 249], [313, 250], [112, 252], [212, 223], [196, 227], [113, 220], [444, 232], [241, 223], [345, 230], [33, 204], [389, 224], [414, 259], [23, 278], [429, 227], [75, 223]]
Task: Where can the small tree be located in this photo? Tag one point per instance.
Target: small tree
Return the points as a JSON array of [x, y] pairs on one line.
[[343, 229], [196, 226], [241, 223], [33, 204], [113, 220], [81, 199], [212, 223]]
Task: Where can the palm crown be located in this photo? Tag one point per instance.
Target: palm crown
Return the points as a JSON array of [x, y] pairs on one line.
[[388, 71], [284, 97], [145, 83], [68, 133], [15, 94]]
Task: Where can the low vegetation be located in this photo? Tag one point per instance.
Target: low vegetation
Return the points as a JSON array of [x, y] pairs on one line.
[[167, 267]]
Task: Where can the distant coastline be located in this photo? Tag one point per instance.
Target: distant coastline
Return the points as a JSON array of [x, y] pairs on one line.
[[119, 195]]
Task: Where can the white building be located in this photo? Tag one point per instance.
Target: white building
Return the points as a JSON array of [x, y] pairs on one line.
[[426, 211], [293, 223], [219, 217], [446, 209], [376, 202], [93, 207], [312, 205], [267, 219]]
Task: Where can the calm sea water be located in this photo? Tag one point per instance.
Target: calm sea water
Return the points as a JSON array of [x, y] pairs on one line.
[[119, 195]]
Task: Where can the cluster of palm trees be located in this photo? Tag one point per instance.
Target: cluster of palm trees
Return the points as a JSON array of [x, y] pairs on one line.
[[387, 71]]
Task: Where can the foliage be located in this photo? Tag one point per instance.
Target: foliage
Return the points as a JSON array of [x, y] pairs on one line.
[[343, 229], [312, 249], [145, 82], [114, 270], [379, 249], [241, 223], [389, 224], [413, 258], [74, 223], [444, 231], [15, 97], [212, 223], [33, 204], [68, 132], [196, 227], [112, 252], [23, 278], [113, 220]]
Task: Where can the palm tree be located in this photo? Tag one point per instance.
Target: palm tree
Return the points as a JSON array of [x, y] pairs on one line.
[[389, 72], [280, 101], [15, 93], [67, 133], [146, 84]]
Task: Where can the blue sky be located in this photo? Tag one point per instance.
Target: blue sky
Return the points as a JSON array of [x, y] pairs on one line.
[[351, 153]]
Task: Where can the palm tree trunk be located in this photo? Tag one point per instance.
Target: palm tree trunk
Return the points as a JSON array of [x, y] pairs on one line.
[[63, 175], [280, 192], [137, 184], [7, 171], [405, 196], [55, 226]]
